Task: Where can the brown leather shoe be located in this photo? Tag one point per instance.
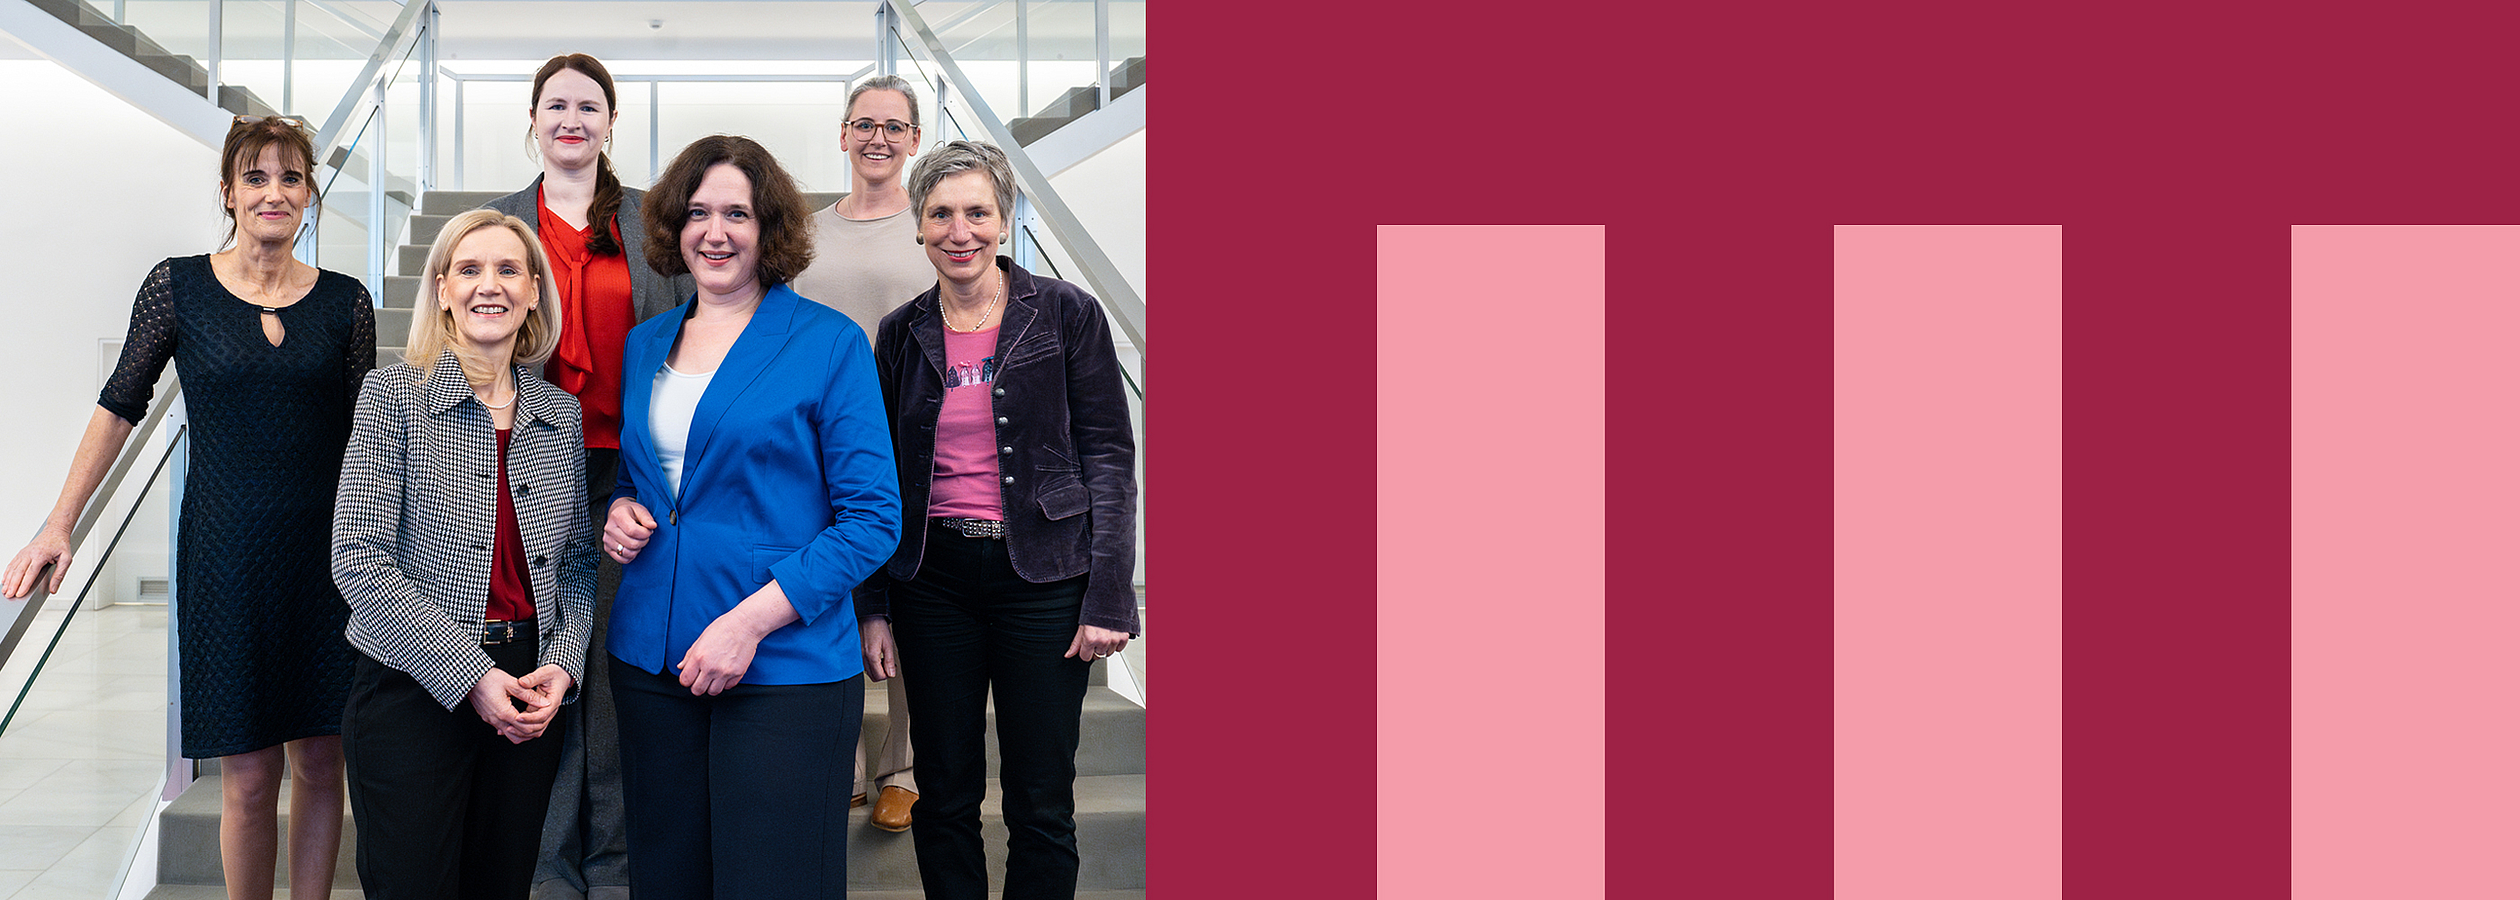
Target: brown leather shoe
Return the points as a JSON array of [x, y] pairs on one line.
[[892, 808], [857, 800]]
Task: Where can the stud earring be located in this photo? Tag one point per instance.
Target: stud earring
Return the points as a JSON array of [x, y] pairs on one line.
[[919, 239]]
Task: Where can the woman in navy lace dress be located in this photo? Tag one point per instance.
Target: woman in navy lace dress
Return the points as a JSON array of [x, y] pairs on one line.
[[271, 352]]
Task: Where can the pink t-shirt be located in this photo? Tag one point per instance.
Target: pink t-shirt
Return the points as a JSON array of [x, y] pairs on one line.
[[966, 478]]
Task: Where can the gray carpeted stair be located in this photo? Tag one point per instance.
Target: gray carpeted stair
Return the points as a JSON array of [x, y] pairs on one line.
[[1110, 819]]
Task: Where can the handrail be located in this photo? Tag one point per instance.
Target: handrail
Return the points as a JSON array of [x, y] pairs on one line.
[[131, 452], [88, 518], [1127, 310]]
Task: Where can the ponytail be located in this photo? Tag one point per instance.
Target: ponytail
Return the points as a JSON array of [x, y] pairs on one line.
[[603, 209]]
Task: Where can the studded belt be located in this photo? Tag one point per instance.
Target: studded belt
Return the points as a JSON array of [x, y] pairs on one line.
[[497, 631], [973, 528]]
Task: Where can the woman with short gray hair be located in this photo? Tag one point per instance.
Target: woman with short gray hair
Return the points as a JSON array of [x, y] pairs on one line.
[[1011, 433]]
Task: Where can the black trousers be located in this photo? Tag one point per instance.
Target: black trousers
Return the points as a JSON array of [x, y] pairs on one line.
[[969, 627], [446, 807], [739, 796]]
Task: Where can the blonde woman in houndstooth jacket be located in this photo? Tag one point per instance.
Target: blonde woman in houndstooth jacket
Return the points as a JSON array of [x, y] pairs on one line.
[[462, 545]]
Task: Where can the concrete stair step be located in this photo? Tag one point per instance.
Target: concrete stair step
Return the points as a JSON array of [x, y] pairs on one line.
[[243, 102], [183, 70], [386, 356], [447, 203], [281, 892], [1076, 102], [393, 324], [1129, 76], [1112, 742], [424, 228], [410, 259], [1110, 839], [188, 840], [993, 895], [400, 292], [1110, 835]]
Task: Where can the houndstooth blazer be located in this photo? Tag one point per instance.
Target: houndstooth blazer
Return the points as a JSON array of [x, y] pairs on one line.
[[417, 510]]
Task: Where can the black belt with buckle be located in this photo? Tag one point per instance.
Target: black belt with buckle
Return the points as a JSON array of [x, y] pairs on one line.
[[498, 631], [973, 528]]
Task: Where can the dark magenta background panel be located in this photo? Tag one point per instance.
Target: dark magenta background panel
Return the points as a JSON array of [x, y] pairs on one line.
[[2175, 142]]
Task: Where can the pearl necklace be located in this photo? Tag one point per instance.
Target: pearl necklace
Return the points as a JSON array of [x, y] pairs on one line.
[[984, 313]]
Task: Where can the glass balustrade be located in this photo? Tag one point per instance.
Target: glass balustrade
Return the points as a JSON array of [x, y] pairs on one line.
[[87, 684]]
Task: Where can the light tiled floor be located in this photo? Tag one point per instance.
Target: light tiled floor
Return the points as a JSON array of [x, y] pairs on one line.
[[79, 765]]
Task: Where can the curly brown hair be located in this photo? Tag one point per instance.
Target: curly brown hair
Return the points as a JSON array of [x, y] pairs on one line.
[[787, 235]]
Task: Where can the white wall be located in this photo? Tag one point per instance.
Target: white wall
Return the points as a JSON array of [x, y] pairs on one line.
[[1107, 192], [105, 192]]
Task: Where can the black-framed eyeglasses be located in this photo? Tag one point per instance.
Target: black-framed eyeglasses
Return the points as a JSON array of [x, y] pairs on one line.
[[291, 121], [895, 129]]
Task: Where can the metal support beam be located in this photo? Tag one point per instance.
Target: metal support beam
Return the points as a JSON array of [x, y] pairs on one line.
[[211, 89], [375, 143], [288, 58], [1023, 65], [884, 37], [1102, 52], [655, 115], [428, 98], [457, 168]]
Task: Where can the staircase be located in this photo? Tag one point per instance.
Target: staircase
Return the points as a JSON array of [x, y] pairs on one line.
[[1074, 104], [1110, 822], [1110, 762], [128, 41]]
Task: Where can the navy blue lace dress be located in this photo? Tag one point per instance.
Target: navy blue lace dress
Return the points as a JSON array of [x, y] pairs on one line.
[[259, 623]]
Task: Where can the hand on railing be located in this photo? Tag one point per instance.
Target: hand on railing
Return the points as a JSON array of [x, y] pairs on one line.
[[51, 548]]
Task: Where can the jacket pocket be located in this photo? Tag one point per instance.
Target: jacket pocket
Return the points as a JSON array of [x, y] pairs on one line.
[[1062, 495], [762, 560]]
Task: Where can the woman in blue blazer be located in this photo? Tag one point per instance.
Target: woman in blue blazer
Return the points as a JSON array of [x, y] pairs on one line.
[[757, 489]]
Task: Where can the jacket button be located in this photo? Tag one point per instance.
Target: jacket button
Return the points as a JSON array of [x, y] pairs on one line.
[[997, 392], [1001, 450], [1010, 479], [1001, 420], [542, 560], [524, 489]]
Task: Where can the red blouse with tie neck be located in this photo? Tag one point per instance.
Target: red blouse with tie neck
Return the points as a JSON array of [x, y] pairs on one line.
[[595, 318]]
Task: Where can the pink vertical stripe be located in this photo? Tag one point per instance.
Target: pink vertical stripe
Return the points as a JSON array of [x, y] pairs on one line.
[[1949, 542], [1490, 568], [2405, 499]]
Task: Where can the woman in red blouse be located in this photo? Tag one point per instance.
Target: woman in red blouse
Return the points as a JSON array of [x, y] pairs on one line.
[[578, 208]]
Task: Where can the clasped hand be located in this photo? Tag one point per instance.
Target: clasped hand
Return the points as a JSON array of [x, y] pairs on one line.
[[520, 709]]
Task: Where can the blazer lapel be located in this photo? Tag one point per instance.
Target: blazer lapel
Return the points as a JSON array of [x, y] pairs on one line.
[[761, 341], [638, 379]]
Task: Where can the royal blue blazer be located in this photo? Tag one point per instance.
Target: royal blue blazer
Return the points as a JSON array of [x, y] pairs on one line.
[[788, 475]]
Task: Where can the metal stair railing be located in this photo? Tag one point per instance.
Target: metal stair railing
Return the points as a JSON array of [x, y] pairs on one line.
[[136, 450]]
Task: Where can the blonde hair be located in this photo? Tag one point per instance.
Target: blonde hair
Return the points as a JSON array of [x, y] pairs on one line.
[[433, 327]]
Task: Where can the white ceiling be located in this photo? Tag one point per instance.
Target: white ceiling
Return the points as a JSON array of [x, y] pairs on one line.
[[842, 30], [692, 29]]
